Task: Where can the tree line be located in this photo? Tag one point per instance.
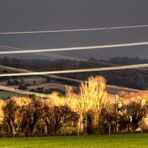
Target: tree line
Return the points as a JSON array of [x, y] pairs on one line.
[[90, 111]]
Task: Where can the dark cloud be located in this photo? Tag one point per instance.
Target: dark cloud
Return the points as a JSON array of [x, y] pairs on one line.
[[24, 15]]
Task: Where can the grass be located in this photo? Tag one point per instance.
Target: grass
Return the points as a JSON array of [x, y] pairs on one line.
[[5, 94], [101, 141]]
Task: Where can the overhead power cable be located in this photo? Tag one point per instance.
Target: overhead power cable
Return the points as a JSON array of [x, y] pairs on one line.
[[74, 48], [71, 79], [56, 56], [64, 78], [73, 30], [76, 70]]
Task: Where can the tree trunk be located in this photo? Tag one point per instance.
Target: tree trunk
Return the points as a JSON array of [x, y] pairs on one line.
[[80, 128]]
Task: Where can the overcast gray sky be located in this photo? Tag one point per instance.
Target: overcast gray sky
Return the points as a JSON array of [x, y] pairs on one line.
[[27, 15]]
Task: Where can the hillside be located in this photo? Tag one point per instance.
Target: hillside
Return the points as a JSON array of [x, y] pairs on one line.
[[137, 79]]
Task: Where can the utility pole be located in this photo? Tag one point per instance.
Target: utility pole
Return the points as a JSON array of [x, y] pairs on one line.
[[116, 111]]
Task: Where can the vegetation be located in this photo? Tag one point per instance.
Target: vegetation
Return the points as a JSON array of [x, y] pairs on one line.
[[123, 78], [87, 112], [6, 94], [112, 141]]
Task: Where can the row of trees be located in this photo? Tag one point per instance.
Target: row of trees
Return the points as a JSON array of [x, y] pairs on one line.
[[88, 112]]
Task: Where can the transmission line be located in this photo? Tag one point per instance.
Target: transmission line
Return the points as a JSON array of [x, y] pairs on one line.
[[62, 78], [68, 79], [56, 56], [73, 30], [77, 70], [75, 48]]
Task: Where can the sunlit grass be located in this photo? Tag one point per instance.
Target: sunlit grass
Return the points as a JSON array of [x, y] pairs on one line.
[[101, 141]]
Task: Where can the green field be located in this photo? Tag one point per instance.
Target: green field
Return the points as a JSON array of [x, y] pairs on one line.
[[101, 141], [6, 94]]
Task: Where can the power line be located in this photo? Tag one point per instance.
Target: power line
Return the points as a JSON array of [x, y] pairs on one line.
[[59, 77], [73, 30], [26, 70], [69, 79], [62, 78], [9, 47], [56, 56], [76, 70], [75, 48]]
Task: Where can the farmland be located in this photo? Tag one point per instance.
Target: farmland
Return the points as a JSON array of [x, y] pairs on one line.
[[112, 141], [48, 84], [6, 94]]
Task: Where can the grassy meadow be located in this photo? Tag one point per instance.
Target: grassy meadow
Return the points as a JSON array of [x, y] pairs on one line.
[[101, 141], [6, 94]]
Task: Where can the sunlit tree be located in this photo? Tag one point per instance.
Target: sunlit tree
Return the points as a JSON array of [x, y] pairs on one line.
[[92, 99]]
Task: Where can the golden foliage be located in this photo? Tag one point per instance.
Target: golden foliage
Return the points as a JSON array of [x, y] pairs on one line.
[[21, 101], [2, 103], [93, 94], [91, 98], [128, 97]]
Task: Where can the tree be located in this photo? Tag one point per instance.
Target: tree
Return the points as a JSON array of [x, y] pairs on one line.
[[92, 99], [136, 111], [62, 115], [9, 122], [133, 114], [108, 120]]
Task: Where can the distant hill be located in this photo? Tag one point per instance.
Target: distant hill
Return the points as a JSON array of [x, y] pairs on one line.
[[137, 79]]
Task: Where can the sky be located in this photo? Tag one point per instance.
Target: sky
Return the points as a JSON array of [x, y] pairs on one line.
[[29, 15]]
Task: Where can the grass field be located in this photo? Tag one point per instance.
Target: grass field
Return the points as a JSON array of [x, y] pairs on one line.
[[102, 141], [5, 94]]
